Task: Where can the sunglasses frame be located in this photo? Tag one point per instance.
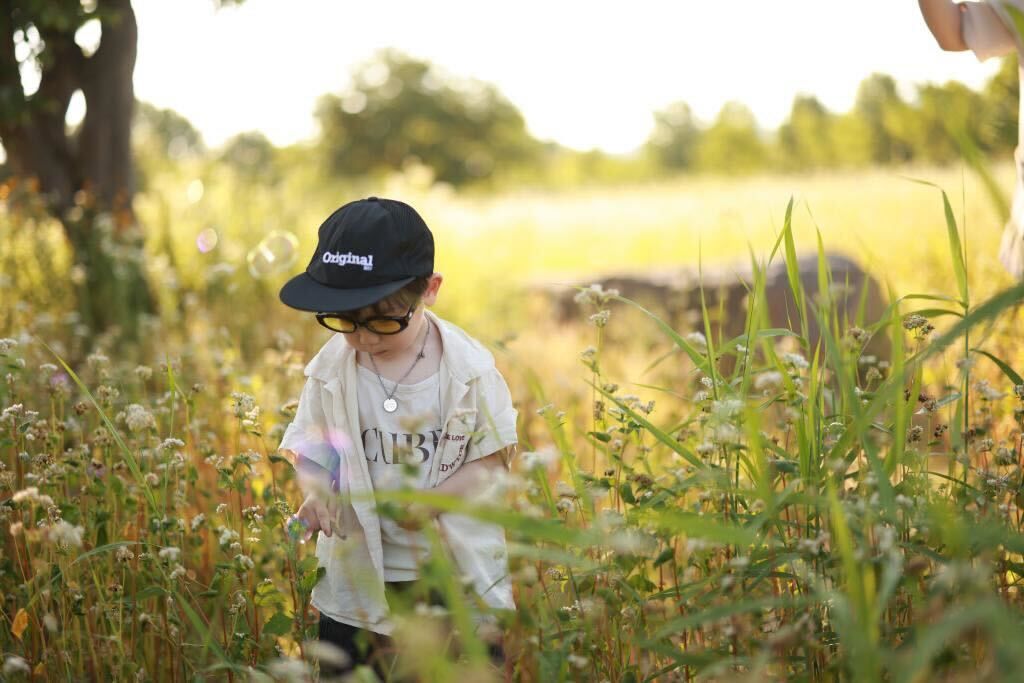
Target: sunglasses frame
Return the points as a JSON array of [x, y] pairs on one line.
[[402, 320]]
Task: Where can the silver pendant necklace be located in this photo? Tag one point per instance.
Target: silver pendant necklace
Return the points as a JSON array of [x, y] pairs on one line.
[[390, 405]]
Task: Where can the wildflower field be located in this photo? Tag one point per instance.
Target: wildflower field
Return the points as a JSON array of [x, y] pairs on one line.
[[816, 514]]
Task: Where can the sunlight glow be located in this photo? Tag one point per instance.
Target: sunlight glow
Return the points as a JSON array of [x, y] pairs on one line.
[[583, 74]]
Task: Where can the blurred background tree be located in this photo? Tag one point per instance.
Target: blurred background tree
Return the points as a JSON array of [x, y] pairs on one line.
[[806, 139], [161, 137], [733, 143], [253, 157], [673, 142], [401, 110], [882, 128], [83, 174]]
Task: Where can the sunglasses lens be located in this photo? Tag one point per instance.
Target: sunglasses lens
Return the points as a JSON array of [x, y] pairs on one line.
[[384, 326], [339, 324]]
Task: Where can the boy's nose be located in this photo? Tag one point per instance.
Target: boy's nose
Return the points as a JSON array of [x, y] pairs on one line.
[[366, 336]]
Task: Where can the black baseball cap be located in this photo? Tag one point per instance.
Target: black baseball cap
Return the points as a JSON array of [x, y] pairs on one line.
[[366, 250]]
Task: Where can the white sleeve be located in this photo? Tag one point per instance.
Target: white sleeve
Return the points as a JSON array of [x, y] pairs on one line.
[[495, 427], [987, 29], [307, 434]]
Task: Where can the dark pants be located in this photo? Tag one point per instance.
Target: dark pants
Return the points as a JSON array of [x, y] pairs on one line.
[[371, 649]]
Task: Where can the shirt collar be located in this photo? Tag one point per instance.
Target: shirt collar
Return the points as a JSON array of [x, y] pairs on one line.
[[464, 357]]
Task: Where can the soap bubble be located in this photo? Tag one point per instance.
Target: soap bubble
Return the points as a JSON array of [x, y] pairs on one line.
[[274, 253], [206, 240]]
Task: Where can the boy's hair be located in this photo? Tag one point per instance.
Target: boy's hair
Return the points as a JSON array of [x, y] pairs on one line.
[[403, 298]]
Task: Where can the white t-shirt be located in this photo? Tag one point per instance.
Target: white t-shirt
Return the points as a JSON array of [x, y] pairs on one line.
[[399, 445]]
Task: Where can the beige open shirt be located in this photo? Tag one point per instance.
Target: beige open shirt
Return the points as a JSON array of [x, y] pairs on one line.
[[478, 419], [988, 32]]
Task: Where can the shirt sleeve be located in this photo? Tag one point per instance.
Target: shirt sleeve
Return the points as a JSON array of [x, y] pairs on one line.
[[495, 427], [984, 30], [307, 437]]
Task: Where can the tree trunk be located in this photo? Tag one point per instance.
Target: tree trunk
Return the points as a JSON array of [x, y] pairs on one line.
[[87, 180]]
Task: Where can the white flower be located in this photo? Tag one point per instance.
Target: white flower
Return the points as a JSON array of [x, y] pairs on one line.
[[250, 457], [11, 414], [15, 664], [726, 434], [577, 661], [796, 360], [767, 380], [138, 418], [244, 562], [244, 405], [565, 490], [6, 344], [32, 495], [726, 408], [170, 444], [539, 459], [227, 536], [198, 520], [177, 571], [986, 391], [170, 553], [64, 534], [97, 360], [698, 340]]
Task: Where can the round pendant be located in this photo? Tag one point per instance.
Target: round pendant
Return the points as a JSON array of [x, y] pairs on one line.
[[390, 405]]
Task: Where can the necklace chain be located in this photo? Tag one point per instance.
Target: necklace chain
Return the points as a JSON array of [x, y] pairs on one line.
[[390, 404]]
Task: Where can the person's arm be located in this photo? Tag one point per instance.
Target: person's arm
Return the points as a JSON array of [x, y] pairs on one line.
[[468, 482], [473, 477], [945, 20]]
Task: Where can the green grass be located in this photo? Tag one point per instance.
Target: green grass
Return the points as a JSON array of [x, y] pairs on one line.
[[666, 520]]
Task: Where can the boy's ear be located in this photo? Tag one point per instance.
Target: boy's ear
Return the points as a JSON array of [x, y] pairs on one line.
[[433, 285]]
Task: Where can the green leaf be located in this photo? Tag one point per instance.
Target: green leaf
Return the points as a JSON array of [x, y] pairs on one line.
[[699, 359], [627, 493], [955, 248], [278, 625], [665, 555], [307, 564], [267, 594], [1007, 370]]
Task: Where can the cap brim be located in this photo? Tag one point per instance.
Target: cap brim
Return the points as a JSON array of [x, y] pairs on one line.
[[306, 294]]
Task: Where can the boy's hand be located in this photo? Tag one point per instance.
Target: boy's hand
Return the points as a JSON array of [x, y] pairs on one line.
[[321, 515]]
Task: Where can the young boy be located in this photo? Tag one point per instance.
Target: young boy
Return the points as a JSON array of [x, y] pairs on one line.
[[397, 396], [987, 28]]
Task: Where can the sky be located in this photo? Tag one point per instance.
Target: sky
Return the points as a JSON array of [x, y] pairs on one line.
[[584, 74]]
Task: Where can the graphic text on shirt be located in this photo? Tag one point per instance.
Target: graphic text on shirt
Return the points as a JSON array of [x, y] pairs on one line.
[[393, 448]]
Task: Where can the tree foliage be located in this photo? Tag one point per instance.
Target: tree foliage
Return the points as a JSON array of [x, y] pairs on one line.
[[401, 110], [883, 127]]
